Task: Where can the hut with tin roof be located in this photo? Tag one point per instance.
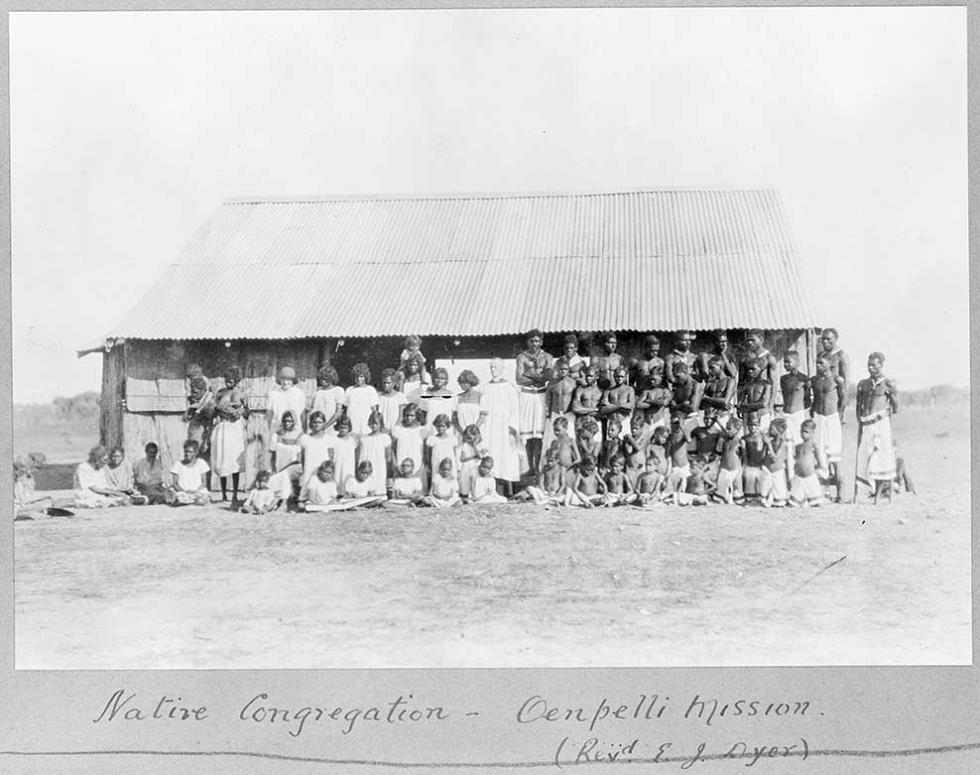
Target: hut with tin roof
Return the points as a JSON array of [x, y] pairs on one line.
[[271, 282]]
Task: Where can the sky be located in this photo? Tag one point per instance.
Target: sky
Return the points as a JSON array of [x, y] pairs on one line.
[[128, 130]]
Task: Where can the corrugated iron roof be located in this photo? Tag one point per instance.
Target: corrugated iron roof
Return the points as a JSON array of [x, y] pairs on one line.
[[479, 265]]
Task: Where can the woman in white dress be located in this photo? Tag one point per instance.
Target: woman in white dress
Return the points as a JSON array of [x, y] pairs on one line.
[[228, 440], [315, 447], [362, 399], [469, 408], [436, 400], [502, 425]]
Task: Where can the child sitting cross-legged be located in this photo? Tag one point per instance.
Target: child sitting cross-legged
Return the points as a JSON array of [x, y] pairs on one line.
[[261, 498], [320, 492], [619, 488], [361, 489], [695, 492], [484, 485], [444, 491], [407, 486], [587, 487], [550, 489], [187, 485]]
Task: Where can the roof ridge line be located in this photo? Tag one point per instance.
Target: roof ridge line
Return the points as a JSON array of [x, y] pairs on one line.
[[464, 195]]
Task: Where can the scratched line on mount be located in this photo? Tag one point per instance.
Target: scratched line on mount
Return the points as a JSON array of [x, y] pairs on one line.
[[832, 752]]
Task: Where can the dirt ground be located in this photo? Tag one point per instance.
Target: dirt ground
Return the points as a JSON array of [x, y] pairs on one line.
[[513, 585]]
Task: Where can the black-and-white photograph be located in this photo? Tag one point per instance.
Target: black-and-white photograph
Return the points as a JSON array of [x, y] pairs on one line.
[[490, 338]]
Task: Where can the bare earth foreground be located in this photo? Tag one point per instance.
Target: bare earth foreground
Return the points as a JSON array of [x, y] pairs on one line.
[[513, 585]]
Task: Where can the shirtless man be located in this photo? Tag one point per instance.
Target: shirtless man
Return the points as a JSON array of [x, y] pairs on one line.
[[654, 402], [719, 389], [877, 401], [681, 353], [559, 394], [839, 363], [649, 368], [607, 363], [829, 401], [576, 363], [755, 351], [676, 447], [686, 396], [534, 368], [795, 395], [754, 394], [619, 400], [585, 401], [723, 350]]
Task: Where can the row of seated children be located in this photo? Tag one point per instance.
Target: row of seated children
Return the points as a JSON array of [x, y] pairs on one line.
[[714, 461]]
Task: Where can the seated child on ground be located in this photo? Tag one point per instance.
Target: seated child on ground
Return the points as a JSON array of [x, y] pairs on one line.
[[320, 491], [187, 479], [148, 475], [119, 474], [27, 504], [902, 481], [807, 464], [650, 485], [619, 488], [484, 484], [261, 498], [407, 488], [695, 492], [550, 488], [587, 488], [445, 487], [361, 489], [707, 439]]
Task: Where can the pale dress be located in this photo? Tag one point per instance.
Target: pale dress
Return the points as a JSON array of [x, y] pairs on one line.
[[372, 449], [360, 399], [468, 414], [500, 402], [315, 449], [442, 402], [391, 406], [485, 490], [327, 400], [441, 447], [408, 444], [317, 493], [343, 460], [469, 463], [293, 399]]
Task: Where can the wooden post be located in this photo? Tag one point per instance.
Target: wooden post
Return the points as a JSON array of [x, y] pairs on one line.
[[112, 400]]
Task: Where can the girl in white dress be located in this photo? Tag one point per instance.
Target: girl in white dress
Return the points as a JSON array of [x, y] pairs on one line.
[[320, 493], [441, 445], [315, 447], [437, 400], [329, 397], [445, 489], [468, 409], [362, 399], [228, 439], [408, 439], [344, 458], [376, 449], [471, 452], [390, 401]]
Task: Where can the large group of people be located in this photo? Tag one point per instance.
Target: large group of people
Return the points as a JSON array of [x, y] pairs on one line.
[[665, 427]]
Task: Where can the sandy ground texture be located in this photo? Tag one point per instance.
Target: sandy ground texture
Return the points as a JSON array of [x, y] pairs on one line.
[[512, 585]]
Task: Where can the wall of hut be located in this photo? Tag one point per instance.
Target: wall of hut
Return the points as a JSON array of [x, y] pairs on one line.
[[144, 390]]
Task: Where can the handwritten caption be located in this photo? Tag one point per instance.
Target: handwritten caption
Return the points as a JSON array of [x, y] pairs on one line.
[[600, 723]]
